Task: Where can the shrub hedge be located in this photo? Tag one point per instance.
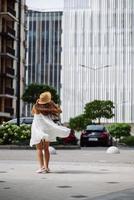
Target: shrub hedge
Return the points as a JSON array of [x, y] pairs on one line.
[[128, 140], [13, 134]]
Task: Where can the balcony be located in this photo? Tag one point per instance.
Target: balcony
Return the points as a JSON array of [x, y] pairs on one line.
[[10, 51], [9, 14], [8, 33], [9, 91], [10, 71], [11, 11], [7, 56], [9, 110]]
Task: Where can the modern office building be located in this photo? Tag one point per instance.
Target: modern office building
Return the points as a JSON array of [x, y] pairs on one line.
[[44, 48], [9, 14], [98, 56]]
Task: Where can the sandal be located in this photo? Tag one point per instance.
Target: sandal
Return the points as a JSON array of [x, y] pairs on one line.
[[41, 170], [47, 170]]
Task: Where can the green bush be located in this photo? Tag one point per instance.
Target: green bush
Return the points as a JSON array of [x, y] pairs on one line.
[[119, 130], [13, 134], [79, 122], [128, 140]]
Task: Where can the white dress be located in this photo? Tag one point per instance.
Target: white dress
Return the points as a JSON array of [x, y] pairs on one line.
[[43, 128]]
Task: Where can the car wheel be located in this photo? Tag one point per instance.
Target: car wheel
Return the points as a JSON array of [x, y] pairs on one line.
[[82, 144], [106, 144]]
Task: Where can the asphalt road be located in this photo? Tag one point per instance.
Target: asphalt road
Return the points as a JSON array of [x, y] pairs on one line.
[[88, 173]]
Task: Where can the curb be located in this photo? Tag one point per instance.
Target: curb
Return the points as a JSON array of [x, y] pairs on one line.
[[25, 147]]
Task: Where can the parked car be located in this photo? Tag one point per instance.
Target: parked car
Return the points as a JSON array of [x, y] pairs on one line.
[[23, 120], [96, 135], [70, 139]]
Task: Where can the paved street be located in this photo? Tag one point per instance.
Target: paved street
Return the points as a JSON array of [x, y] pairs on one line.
[[87, 173]]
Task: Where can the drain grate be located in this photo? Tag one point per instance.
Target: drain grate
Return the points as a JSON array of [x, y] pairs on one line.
[[79, 196], [64, 186], [2, 172]]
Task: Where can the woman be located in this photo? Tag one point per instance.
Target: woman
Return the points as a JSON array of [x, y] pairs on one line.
[[44, 130]]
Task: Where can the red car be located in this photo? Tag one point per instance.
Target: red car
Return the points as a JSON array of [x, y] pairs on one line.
[[71, 139], [96, 135]]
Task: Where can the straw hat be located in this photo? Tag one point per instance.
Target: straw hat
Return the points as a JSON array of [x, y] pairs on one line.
[[44, 98]]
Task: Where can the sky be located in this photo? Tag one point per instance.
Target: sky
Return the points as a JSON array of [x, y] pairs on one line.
[[45, 4]]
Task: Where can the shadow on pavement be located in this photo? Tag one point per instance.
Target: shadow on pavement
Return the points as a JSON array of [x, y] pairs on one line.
[[77, 172]]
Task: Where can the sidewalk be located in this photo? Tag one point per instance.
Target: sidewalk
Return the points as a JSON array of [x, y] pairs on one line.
[[86, 174]]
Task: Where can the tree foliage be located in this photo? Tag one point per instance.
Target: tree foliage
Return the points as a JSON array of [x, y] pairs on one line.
[[32, 92], [79, 122], [119, 130], [98, 109]]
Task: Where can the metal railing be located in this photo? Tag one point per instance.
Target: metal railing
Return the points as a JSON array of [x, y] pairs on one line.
[[9, 91], [10, 30], [10, 71], [10, 50], [12, 11]]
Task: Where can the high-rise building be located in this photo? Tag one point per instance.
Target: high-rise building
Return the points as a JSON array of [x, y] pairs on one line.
[[9, 18], [44, 49], [98, 56]]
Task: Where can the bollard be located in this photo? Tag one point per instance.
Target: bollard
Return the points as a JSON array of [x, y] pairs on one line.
[[113, 150]]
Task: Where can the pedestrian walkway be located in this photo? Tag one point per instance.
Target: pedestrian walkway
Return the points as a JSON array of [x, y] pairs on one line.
[[67, 180], [88, 174], [120, 195]]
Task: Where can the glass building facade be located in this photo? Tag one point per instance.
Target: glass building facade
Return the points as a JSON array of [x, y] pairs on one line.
[[44, 48], [98, 56]]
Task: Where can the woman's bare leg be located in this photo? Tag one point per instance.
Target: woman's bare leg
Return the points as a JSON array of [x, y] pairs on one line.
[[46, 155], [39, 148]]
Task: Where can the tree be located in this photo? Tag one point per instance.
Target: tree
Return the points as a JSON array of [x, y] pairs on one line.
[[98, 109], [79, 122], [32, 92], [119, 130]]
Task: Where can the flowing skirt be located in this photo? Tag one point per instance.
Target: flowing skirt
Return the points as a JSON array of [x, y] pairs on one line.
[[43, 128]]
